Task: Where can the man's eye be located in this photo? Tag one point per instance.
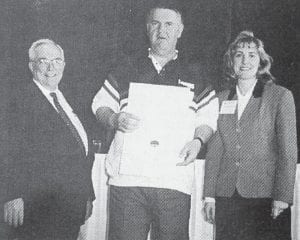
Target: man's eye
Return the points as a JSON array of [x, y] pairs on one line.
[[58, 61], [43, 61]]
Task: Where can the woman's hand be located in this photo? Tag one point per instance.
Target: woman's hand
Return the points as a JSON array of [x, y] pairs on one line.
[[278, 207], [209, 212]]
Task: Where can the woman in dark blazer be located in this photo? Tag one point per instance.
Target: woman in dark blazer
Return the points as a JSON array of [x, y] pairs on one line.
[[251, 159]]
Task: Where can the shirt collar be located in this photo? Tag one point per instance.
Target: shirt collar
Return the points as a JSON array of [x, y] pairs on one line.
[[156, 64], [257, 91], [248, 94], [44, 90]]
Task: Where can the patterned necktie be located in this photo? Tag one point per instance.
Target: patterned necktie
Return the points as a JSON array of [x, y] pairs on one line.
[[67, 120]]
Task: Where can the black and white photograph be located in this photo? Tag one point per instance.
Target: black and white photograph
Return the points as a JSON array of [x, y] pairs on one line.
[[149, 120]]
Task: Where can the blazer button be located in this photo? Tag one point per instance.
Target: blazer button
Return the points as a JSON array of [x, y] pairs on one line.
[[237, 164], [238, 146], [238, 130]]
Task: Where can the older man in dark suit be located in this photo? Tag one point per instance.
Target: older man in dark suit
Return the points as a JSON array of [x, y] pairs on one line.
[[50, 189]]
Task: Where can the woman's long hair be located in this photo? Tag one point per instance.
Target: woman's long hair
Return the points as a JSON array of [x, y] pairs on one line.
[[247, 38]]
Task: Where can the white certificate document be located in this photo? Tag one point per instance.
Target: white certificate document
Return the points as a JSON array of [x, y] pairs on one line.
[[167, 124]]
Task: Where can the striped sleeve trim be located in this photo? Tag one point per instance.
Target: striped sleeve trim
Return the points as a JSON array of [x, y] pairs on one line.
[[123, 103], [124, 95], [123, 106], [113, 82], [111, 91], [209, 96], [193, 108], [206, 103], [203, 94]]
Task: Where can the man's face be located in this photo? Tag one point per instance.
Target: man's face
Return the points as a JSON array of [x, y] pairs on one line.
[[164, 28], [48, 66]]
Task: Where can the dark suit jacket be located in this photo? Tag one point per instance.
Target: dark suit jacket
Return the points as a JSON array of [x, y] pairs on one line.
[[257, 154], [46, 160]]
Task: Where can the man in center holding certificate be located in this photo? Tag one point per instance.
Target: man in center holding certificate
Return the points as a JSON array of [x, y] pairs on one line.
[[162, 113]]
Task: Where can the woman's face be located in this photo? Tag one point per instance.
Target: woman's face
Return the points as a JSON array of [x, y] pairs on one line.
[[246, 61]]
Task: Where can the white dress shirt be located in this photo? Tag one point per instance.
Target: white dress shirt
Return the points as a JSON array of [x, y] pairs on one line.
[[69, 111], [243, 99]]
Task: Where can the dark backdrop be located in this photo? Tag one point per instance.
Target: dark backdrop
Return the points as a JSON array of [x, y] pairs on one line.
[[94, 33]]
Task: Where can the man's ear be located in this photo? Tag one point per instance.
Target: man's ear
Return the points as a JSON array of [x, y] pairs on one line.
[[31, 66], [180, 30], [147, 28], [64, 64]]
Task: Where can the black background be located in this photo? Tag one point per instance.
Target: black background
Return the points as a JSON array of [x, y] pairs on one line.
[[93, 34]]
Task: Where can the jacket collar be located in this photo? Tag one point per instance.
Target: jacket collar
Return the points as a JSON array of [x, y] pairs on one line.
[[257, 92]]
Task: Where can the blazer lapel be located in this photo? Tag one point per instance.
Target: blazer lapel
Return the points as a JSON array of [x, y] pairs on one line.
[[251, 110]]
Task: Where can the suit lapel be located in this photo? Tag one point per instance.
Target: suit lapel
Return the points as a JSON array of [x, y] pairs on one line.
[[75, 105], [46, 111], [42, 105], [252, 109]]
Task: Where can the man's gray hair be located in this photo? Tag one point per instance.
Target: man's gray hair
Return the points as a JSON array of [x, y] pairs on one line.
[[36, 44]]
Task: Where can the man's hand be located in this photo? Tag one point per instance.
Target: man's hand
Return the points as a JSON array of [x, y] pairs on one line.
[[209, 212], [89, 209], [189, 152], [125, 122], [14, 212], [278, 207]]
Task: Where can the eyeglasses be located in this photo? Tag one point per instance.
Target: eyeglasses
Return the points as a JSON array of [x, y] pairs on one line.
[[57, 62]]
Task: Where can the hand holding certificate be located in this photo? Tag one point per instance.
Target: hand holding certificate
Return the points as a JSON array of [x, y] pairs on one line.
[[125, 122], [166, 125]]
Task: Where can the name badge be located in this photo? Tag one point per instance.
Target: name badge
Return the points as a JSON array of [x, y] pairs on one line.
[[228, 107]]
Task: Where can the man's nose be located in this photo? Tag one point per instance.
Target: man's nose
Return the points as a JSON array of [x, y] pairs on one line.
[[161, 28], [50, 65]]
